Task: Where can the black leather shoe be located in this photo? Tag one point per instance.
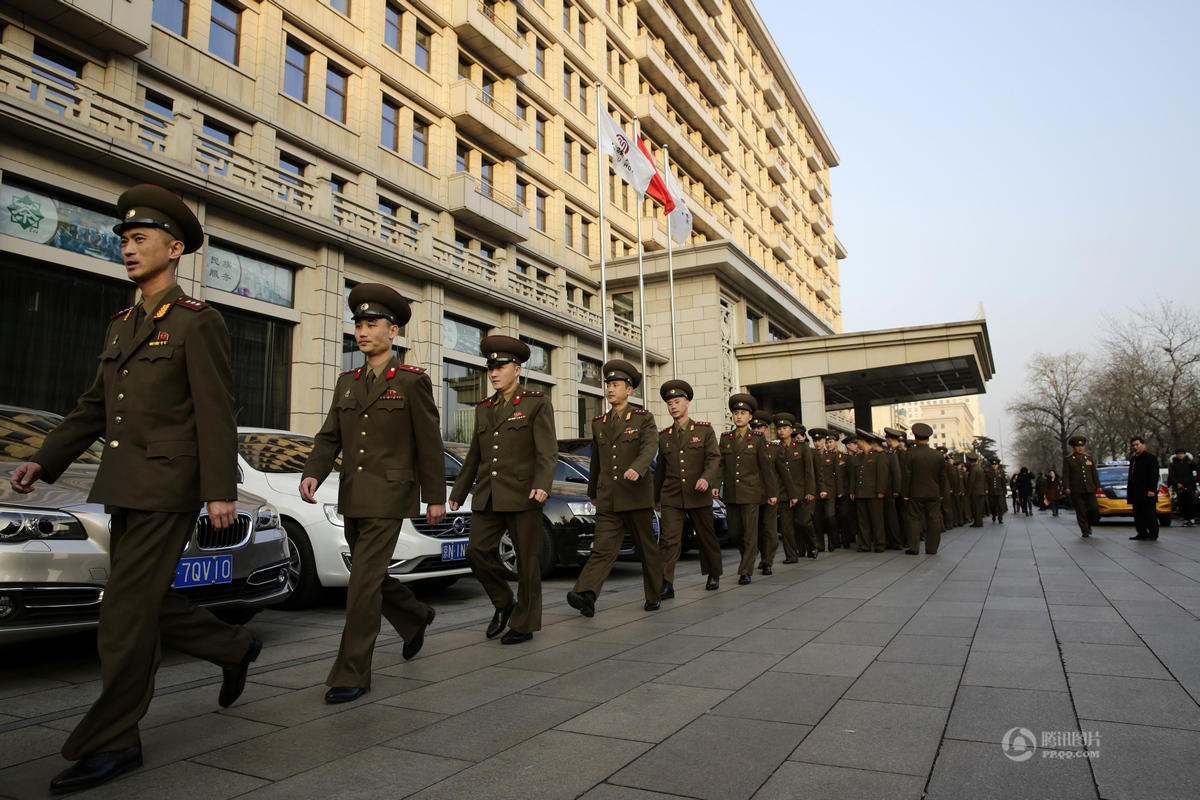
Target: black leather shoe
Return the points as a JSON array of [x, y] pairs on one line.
[[652, 606], [96, 769], [791, 560], [766, 570], [234, 679], [743, 580], [583, 601], [863, 550], [418, 640], [512, 637], [344, 694], [500, 620], [812, 553], [668, 591], [1136, 538], [712, 583]]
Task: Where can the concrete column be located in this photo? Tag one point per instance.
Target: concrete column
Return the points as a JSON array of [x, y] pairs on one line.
[[862, 412], [812, 402]]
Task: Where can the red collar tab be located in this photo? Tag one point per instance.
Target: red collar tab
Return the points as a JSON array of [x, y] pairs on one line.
[[391, 373], [358, 373]]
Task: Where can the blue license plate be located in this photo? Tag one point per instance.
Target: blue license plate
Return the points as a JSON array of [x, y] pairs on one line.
[[455, 551], [203, 571]]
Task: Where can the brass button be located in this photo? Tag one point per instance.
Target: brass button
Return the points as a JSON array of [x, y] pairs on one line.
[[117, 419], [114, 443], [364, 433], [361, 450], [495, 433], [121, 396], [124, 372], [359, 469], [364, 415], [495, 459], [495, 447], [493, 473]]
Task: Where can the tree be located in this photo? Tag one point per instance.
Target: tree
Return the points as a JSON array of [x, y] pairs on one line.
[[1053, 397], [984, 447]]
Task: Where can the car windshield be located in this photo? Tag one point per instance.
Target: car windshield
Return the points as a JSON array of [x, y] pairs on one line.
[[567, 470], [1113, 474], [277, 451], [22, 434], [581, 463]]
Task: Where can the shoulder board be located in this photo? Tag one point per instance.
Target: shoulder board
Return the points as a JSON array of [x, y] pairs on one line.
[[191, 303], [532, 394], [757, 433], [705, 424], [358, 373], [347, 372], [640, 411], [728, 433], [666, 429], [122, 311], [597, 418], [487, 401], [411, 368]]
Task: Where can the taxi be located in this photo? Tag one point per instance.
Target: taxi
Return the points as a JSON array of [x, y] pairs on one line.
[[1112, 496]]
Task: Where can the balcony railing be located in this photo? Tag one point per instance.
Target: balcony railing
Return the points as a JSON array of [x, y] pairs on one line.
[[526, 286], [626, 329], [583, 313]]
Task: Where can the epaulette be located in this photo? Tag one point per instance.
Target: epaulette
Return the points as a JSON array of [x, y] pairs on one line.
[[666, 429], [532, 393], [358, 373], [411, 368], [756, 433], [640, 411], [598, 417], [124, 311], [347, 372], [705, 424], [191, 303]]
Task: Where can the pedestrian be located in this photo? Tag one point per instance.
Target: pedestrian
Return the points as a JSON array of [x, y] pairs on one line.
[[1039, 490], [1142, 490], [976, 489], [1053, 491], [927, 483], [384, 423], [162, 399], [797, 489], [1181, 477], [685, 484], [747, 473], [829, 488], [1081, 480], [871, 480], [509, 470], [997, 490], [768, 513], [846, 509], [892, 521], [1024, 486], [624, 444]]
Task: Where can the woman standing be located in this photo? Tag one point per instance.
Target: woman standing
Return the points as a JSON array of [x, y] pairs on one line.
[[1054, 490]]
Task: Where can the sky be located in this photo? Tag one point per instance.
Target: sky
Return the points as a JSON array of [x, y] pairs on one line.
[[1040, 157]]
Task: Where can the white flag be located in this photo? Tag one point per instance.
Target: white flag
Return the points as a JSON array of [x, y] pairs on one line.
[[679, 221], [627, 159]]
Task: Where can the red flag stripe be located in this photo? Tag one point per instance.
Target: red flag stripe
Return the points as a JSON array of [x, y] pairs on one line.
[[658, 187]]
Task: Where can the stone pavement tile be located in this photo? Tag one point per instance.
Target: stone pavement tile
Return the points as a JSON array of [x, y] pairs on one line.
[[785, 697], [679, 765], [848, 660], [1001, 620], [1161, 609], [1095, 632], [1020, 604], [1138, 701], [819, 782], [1113, 659], [192, 737], [887, 737], [486, 730], [985, 714], [769, 640], [940, 626], [451, 663], [1070, 613], [1037, 643], [182, 779], [601, 681], [693, 613], [853, 591], [675, 648], [1015, 670], [927, 650], [25, 744], [52, 700], [733, 623], [847, 632], [1002, 587], [635, 633], [872, 612], [15, 682], [534, 769], [440, 641], [304, 705], [1137, 762], [983, 772], [815, 615], [951, 608], [1086, 597], [467, 691], [366, 775], [721, 669], [294, 750], [912, 684], [649, 713], [606, 791], [566, 657]]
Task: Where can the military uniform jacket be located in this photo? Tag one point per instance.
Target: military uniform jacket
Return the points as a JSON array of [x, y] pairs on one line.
[[162, 400], [747, 472], [797, 476], [847, 471], [958, 482], [513, 451], [871, 474], [685, 456], [622, 441], [391, 443], [894, 482], [828, 473], [928, 474], [976, 487]]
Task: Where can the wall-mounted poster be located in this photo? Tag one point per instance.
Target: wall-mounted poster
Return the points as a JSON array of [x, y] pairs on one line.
[[238, 273], [45, 219]]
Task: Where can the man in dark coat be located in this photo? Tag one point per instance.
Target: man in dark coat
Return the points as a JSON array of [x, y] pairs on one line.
[[1181, 477], [1142, 490]]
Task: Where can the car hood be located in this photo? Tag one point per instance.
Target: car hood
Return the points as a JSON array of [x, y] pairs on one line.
[[289, 483], [569, 489], [70, 491]]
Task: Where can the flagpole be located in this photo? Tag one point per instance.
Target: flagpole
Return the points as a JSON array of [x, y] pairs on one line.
[[637, 135], [671, 273], [602, 173]]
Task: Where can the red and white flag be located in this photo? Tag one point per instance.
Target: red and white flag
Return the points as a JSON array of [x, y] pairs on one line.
[[679, 218], [657, 188], [628, 162]]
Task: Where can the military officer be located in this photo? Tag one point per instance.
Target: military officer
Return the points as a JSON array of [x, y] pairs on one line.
[[1081, 480], [162, 398], [747, 473], [847, 475], [768, 514], [510, 469], [976, 489], [383, 421], [829, 488], [624, 444], [997, 491], [685, 484], [926, 483], [893, 524], [798, 489], [871, 480]]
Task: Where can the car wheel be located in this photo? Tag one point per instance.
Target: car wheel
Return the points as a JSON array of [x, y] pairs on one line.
[[302, 569], [235, 616], [508, 555]]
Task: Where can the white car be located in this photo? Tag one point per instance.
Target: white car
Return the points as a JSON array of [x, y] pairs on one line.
[[270, 463]]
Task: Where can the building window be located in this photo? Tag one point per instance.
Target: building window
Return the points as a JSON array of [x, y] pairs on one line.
[[224, 31], [389, 125], [424, 45], [171, 14], [623, 305], [522, 192], [462, 155], [215, 148], [585, 237], [461, 335], [295, 72], [336, 88], [539, 59], [567, 80], [420, 142], [154, 130], [249, 276], [589, 372], [539, 356], [463, 388], [539, 221], [337, 184], [55, 100], [486, 167], [569, 228], [55, 221], [752, 318], [566, 16], [590, 407], [539, 133], [568, 161], [340, 6], [260, 354], [290, 172], [391, 26]]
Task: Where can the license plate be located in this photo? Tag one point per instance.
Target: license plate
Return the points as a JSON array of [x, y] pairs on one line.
[[454, 551], [1120, 493], [203, 571]]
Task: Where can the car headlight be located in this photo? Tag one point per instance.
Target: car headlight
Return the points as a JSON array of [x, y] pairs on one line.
[[583, 509], [266, 518], [331, 514], [20, 525]]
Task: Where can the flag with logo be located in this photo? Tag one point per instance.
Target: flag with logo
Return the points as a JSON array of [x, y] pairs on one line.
[[657, 189], [679, 219], [627, 160]]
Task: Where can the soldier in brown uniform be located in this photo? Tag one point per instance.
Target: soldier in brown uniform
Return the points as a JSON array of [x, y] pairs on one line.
[[976, 489], [685, 483], [510, 467], [624, 444], [997, 491], [848, 475], [384, 423], [871, 477], [768, 513], [798, 488], [1080, 481], [927, 482], [829, 488], [162, 399], [747, 472], [892, 521]]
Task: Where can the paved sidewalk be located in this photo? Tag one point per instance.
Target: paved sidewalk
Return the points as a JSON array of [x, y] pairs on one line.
[[852, 676]]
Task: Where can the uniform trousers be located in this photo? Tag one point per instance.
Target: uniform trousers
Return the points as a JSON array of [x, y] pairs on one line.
[[670, 540], [806, 534], [606, 546], [870, 522], [372, 592], [924, 516], [891, 521], [947, 511], [997, 506], [483, 553], [1087, 510], [847, 520], [787, 531], [825, 524], [977, 510], [768, 531], [138, 615], [743, 531], [1145, 517]]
